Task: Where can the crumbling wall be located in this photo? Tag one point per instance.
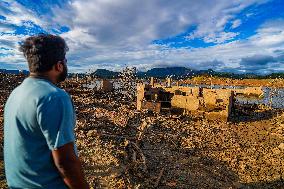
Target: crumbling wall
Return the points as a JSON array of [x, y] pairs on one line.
[[140, 95], [152, 98], [220, 115], [190, 103], [210, 103], [217, 98], [250, 91], [185, 91], [106, 86]]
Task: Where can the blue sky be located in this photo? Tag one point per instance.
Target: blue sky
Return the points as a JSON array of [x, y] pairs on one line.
[[236, 36]]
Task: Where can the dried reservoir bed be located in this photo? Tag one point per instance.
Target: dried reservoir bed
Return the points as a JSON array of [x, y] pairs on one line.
[[123, 148]]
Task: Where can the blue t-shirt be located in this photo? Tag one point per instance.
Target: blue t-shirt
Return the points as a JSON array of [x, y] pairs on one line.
[[38, 118]]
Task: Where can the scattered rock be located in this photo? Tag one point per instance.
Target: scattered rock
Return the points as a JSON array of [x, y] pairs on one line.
[[281, 146]]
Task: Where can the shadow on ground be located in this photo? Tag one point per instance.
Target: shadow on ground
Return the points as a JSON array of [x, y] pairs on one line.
[[250, 115]]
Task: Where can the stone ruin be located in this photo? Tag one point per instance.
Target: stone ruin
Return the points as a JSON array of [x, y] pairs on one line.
[[106, 86], [212, 104]]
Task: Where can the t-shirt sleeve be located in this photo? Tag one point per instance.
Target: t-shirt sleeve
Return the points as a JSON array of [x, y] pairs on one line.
[[56, 120]]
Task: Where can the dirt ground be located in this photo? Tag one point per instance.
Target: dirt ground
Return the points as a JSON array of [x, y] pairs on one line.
[[235, 82], [123, 148]]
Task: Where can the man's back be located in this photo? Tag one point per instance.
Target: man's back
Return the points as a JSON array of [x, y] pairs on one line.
[[38, 118]]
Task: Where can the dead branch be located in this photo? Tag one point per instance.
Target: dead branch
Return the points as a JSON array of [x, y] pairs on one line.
[[159, 178], [115, 136], [140, 152]]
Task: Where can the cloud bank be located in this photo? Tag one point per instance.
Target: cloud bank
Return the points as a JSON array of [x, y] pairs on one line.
[[112, 34]]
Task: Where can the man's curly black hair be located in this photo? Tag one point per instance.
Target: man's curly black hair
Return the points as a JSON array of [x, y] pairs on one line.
[[43, 51]]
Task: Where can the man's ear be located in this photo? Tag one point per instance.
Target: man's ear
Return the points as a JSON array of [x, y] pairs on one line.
[[58, 66]]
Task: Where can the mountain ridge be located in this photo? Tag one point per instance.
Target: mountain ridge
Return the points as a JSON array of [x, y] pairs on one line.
[[174, 72], [184, 72]]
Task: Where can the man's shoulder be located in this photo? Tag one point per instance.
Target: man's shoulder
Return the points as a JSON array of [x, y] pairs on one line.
[[54, 93], [42, 90], [58, 94]]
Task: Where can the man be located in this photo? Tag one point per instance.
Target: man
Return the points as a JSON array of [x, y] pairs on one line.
[[39, 120]]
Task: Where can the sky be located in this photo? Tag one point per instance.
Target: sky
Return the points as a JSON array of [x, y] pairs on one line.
[[240, 36]]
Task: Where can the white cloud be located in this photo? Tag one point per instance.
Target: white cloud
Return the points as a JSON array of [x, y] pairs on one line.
[[120, 32], [226, 56], [220, 37], [111, 34], [236, 23], [17, 14], [271, 34], [133, 23]]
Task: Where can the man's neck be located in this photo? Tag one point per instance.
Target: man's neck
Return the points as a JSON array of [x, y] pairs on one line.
[[43, 76]]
